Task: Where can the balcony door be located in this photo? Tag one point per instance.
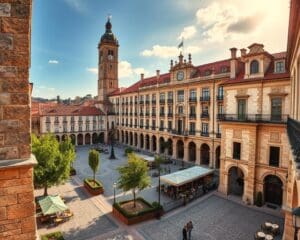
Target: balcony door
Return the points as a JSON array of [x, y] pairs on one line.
[[241, 109], [276, 109], [180, 127]]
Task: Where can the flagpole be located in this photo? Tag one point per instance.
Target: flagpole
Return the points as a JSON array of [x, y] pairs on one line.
[[182, 46]]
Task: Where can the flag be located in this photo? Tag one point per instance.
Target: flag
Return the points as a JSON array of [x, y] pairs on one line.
[[180, 44]]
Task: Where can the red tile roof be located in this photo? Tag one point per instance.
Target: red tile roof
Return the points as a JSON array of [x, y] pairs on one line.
[[165, 78], [46, 109]]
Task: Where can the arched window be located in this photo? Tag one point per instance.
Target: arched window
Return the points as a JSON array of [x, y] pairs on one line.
[[254, 67]]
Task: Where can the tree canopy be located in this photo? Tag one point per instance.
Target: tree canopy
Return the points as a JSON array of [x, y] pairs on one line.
[[53, 159], [94, 161], [134, 175]]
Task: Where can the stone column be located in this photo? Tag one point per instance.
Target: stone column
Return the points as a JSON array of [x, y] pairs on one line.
[[198, 155], [211, 159], [186, 153], [174, 150], [17, 206]]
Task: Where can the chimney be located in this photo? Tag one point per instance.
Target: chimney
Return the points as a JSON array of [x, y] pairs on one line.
[[171, 64], [233, 63], [243, 52], [142, 76], [190, 58], [233, 52], [180, 57], [157, 74]]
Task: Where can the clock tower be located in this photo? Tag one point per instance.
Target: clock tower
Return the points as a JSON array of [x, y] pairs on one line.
[[107, 63]]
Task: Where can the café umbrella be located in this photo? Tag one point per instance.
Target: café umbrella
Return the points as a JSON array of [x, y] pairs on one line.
[[52, 204]]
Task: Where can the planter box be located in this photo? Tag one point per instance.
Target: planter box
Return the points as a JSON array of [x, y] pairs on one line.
[[137, 219], [93, 190]]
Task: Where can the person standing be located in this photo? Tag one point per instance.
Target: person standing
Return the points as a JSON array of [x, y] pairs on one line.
[[184, 233], [189, 229]]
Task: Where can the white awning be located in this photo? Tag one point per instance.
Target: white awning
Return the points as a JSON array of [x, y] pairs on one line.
[[146, 158], [185, 176]]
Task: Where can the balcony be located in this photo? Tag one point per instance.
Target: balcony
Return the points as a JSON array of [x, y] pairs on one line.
[[162, 101], [220, 97], [205, 99], [141, 101], [178, 132], [147, 127], [192, 99], [170, 100], [141, 126], [204, 115], [153, 101], [161, 114], [130, 102], [153, 114], [170, 115], [135, 102], [153, 128], [126, 103], [192, 115], [135, 114], [255, 118], [205, 134], [148, 101], [192, 133], [130, 114], [147, 114], [161, 129], [218, 135]]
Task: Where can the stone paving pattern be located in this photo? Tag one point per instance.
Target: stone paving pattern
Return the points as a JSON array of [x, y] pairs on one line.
[[214, 218]]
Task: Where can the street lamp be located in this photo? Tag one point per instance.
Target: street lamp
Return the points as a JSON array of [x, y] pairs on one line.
[[296, 221], [115, 186]]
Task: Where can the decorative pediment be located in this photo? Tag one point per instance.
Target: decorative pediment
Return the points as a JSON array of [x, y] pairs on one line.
[[256, 48]]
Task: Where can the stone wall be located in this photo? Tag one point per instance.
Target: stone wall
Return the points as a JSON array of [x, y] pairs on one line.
[[17, 209]]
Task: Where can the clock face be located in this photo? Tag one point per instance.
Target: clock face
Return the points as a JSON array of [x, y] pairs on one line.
[[110, 57], [180, 75]]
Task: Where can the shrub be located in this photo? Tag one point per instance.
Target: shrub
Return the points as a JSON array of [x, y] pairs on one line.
[[157, 206], [55, 235], [95, 184], [128, 150], [259, 201]]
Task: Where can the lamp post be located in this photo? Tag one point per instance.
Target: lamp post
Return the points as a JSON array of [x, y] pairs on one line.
[[296, 221], [114, 186]]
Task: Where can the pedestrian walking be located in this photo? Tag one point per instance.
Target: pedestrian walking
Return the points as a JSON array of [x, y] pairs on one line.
[[189, 229], [184, 233]]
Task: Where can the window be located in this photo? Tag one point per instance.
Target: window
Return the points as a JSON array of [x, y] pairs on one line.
[[162, 110], [205, 109], [254, 67], [193, 94], [220, 91], [192, 128], [204, 129], [170, 95], [170, 109], [220, 109], [56, 120], [169, 125], [224, 69], [207, 72], [241, 109], [180, 96], [142, 123], [192, 110], [153, 97], [161, 126], [276, 108], [153, 124], [236, 150], [72, 127], [274, 156], [180, 109], [279, 67], [205, 92], [162, 96]]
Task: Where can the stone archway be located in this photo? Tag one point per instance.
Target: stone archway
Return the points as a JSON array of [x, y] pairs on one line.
[[95, 138], [118, 135], [79, 139], [180, 149], [141, 141], [273, 190], [235, 181], [192, 152], [87, 139], [161, 145], [101, 137], [170, 147], [126, 137], [64, 137], [57, 138], [204, 153], [135, 139], [218, 153], [122, 136], [73, 138], [147, 142], [154, 143], [130, 138]]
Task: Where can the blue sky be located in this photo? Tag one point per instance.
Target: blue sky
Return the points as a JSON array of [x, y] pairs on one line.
[[65, 35]]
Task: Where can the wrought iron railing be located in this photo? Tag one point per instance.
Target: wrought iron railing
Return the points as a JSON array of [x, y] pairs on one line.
[[257, 118]]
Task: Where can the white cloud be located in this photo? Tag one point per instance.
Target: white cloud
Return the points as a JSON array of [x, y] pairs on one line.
[[126, 70], [78, 5], [188, 32], [92, 70], [52, 61], [167, 51]]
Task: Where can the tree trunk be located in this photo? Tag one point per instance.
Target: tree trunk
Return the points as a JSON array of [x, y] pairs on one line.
[[134, 199], [46, 190], [94, 179]]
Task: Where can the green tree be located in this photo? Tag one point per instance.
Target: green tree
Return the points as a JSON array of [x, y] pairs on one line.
[[67, 148], [53, 166], [94, 161], [133, 176]]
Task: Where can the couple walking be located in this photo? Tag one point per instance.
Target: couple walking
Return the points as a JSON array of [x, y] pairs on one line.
[[187, 231]]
